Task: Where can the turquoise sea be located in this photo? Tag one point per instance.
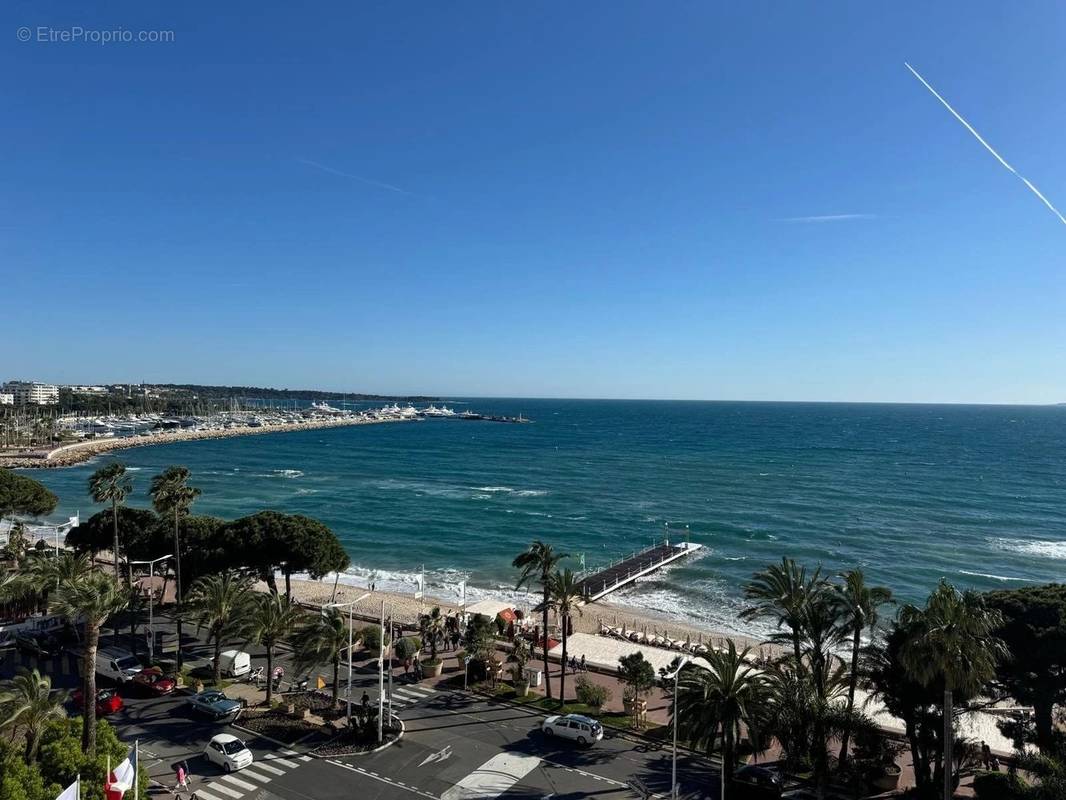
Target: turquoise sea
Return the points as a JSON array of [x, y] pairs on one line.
[[911, 493]]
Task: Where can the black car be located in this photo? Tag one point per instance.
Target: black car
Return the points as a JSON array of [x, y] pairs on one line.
[[757, 782]]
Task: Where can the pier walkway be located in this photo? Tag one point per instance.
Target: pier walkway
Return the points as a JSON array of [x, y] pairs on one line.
[[616, 575]]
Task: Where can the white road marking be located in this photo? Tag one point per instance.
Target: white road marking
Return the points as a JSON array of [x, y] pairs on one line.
[[268, 768], [424, 691], [493, 778], [280, 760], [248, 772], [216, 786], [206, 795], [248, 787], [441, 755], [377, 777]]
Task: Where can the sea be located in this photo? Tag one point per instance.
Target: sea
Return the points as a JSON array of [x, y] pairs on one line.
[[909, 493]]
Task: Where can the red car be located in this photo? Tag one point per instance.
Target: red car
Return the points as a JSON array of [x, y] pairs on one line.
[[153, 681], [107, 701]]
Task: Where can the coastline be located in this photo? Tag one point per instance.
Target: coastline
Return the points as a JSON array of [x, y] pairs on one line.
[[79, 452]]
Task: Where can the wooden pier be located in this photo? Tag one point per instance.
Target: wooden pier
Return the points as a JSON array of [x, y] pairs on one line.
[[624, 571]]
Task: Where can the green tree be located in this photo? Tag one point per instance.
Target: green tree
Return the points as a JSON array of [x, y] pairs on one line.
[[433, 631], [1034, 631], [20, 780], [63, 759], [172, 497], [564, 598], [274, 619], [223, 605], [111, 484], [638, 676], [952, 640], [858, 605], [92, 598], [323, 638], [137, 530], [722, 697], [24, 496], [537, 564], [30, 703], [781, 592]]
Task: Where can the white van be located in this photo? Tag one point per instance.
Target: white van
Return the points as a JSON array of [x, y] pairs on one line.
[[118, 665], [234, 663]]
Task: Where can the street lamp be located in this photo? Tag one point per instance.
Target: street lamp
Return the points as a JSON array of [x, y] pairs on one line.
[[151, 595], [351, 605], [685, 660]]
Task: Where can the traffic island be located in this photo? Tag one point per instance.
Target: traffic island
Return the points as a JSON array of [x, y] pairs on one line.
[[360, 738]]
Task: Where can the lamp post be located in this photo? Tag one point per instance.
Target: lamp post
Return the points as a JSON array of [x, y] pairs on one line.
[[685, 660], [351, 605], [151, 596]]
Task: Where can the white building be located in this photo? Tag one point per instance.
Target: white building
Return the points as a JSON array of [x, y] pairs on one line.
[[7, 399], [87, 389], [32, 393]]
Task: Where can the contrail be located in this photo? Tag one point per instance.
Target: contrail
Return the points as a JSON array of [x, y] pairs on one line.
[[360, 178], [988, 147]]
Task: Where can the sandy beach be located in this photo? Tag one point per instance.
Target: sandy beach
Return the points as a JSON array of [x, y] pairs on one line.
[[78, 452]]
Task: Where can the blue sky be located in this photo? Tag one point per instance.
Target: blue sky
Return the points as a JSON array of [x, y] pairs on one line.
[[551, 199]]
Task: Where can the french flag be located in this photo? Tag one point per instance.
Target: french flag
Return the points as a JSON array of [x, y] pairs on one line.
[[122, 777]]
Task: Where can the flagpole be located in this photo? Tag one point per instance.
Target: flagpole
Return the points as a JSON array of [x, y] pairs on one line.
[[422, 597], [136, 765], [78, 782]]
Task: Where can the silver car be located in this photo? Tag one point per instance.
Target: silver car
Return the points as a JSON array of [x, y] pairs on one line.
[[582, 729]]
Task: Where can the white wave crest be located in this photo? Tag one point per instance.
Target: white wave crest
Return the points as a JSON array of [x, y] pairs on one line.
[[1042, 548], [993, 577]]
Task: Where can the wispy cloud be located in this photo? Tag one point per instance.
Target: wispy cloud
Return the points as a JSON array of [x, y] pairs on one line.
[[987, 146], [360, 178], [830, 218]]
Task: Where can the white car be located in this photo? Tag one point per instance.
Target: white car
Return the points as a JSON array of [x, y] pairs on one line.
[[583, 730], [228, 752]]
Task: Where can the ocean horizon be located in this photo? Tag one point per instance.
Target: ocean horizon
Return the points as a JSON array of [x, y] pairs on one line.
[[911, 493]]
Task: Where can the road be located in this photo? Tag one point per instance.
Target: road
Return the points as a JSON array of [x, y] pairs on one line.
[[456, 746]]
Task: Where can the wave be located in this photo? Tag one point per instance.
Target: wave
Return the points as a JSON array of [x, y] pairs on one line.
[[509, 490], [1042, 548], [288, 473], [307, 491], [994, 577]]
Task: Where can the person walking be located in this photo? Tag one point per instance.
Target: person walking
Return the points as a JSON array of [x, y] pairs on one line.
[[182, 781], [583, 665]]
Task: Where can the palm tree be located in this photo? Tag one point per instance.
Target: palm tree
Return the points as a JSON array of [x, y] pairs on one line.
[[274, 618], [172, 496], [782, 592], [30, 702], [953, 642], [433, 630], [221, 604], [724, 695], [537, 564], [92, 598], [110, 484], [858, 604], [564, 598], [323, 638]]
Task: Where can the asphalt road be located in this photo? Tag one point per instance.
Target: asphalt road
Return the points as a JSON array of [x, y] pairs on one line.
[[456, 745]]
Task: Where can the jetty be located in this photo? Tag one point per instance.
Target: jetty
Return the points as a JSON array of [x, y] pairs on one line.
[[626, 570]]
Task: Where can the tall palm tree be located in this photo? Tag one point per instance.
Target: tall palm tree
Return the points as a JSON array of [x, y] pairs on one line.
[[726, 694], [92, 598], [953, 642], [173, 497], [323, 638], [433, 631], [537, 564], [223, 605], [111, 484], [274, 618], [29, 701], [781, 592], [47, 570], [859, 605], [564, 598]]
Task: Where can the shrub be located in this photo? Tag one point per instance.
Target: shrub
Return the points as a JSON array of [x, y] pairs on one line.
[[999, 786], [637, 674], [405, 649], [371, 636], [592, 694]]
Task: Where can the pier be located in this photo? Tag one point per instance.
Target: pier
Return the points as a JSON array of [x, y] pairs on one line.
[[626, 570]]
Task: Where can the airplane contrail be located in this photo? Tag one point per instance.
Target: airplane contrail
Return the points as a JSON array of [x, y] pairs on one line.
[[987, 146]]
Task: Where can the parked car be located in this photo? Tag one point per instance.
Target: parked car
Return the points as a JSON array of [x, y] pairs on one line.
[[582, 729], [107, 701], [214, 705], [234, 663], [228, 752], [758, 782], [42, 645], [152, 681]]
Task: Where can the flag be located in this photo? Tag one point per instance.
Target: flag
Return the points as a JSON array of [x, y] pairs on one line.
[[582, 561], [71, 792], [420, 584], [460, 589], [122, 777]]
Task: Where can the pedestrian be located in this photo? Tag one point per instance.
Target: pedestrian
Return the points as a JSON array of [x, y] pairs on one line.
[[994, 764], [583, 665], [182, 782], [986, 754], [573, 664], [418, 669], [407, 667], [365, 701]]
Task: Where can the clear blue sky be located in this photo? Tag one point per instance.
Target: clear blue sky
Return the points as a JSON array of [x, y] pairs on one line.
[[540, 199]]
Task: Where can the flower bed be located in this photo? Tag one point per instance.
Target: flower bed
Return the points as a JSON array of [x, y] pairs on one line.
[[358, 739], [277, 725]]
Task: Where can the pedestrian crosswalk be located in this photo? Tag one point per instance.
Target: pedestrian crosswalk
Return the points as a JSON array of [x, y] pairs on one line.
[[252, 778], [409, 694]]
